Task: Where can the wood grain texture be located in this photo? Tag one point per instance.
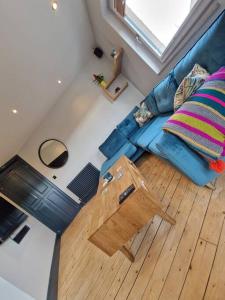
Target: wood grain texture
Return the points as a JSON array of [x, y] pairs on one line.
[[214, 219], [153, 254], [180, 265], [216, 286], [192, 269], [117, 65], [200, 267], [165, 186], [122, 221]]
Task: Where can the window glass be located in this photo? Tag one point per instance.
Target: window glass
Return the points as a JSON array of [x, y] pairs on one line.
[[158, 21]]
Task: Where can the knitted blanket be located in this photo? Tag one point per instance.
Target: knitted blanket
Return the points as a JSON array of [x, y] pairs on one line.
[[200, 121]]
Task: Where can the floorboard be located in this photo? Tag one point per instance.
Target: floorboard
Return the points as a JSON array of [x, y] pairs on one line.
[[181, 263], [216, 286], [200, 267], [185, 261]]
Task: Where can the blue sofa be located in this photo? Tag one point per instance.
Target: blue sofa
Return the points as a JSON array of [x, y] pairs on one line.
[[131, 140]]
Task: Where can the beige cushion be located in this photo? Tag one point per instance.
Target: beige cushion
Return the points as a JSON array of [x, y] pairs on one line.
[[143, 115], [189, 85]]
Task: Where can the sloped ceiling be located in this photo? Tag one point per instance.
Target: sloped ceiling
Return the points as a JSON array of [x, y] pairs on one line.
[[37, 48]]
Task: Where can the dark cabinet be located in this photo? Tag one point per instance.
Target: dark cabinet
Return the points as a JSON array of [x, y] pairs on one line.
[[10, 219], [37, 195]]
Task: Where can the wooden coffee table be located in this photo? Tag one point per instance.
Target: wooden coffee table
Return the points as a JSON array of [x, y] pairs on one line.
[[118, 223]]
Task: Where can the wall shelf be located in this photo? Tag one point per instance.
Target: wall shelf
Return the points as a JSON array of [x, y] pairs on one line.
[[117, 66]]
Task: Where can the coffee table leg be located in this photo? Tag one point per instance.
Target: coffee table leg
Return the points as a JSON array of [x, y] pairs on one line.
[[127, 253], [166, 217]]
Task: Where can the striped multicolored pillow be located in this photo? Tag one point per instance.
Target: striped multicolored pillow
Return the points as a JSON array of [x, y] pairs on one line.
[[200, 121]]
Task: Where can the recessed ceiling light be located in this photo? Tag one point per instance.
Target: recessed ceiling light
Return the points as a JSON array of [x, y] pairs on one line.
[[59, 81], [54, 5], [15, 111]]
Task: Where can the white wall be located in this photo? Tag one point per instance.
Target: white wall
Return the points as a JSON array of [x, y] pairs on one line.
[[38, 47], [9, 291], [82, 119], [136, 70], [27, 265]]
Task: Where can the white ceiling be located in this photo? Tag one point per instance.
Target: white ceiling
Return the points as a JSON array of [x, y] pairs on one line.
[[37, 47]]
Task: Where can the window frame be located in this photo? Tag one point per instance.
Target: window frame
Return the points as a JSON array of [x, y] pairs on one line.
[[186, 31]]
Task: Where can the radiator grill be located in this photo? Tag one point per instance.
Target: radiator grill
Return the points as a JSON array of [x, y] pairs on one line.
[[85, 184]]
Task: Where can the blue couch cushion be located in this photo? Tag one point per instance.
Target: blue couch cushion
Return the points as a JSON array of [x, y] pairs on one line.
[[185, 159], [128, 126], [137, 134], [151, 104], [208, 51], [164, 94], [152, 131], [137, 154], [113, 143], [128, 149], [153, 146]]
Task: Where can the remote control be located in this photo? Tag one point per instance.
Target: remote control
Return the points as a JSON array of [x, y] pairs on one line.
[[126, 193]]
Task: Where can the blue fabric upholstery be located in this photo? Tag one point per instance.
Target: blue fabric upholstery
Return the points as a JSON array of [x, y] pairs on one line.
[[186, 160], [133, 138], [113, 143], [137, 154], [151, 104], [164, 94], [129, 126], [153, 146], [128, 149], [208, 51], [152, 131]]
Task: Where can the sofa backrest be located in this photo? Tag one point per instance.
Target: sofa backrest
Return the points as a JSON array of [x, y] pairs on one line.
[[164, 93], [129, 126], [160, 99], [151, 103], [209, 52], [113, 143]]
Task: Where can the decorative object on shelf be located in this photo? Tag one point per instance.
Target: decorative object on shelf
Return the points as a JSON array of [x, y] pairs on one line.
[[113, 53], [98, 52], [117, 56], [99, 79], [117, 89], [53, 153]]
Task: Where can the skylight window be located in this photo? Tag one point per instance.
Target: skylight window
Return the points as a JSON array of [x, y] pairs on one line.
[[155, 22]]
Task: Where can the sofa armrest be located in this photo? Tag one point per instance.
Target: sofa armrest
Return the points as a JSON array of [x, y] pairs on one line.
[[128, 150], [185, 159]]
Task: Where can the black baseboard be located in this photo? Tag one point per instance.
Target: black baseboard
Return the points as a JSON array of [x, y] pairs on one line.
[[54, 273]]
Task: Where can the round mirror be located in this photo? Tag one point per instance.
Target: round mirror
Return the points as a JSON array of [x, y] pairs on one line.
[[53, 154]]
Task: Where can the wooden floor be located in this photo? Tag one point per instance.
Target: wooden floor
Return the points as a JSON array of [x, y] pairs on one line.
[[185, 261]]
